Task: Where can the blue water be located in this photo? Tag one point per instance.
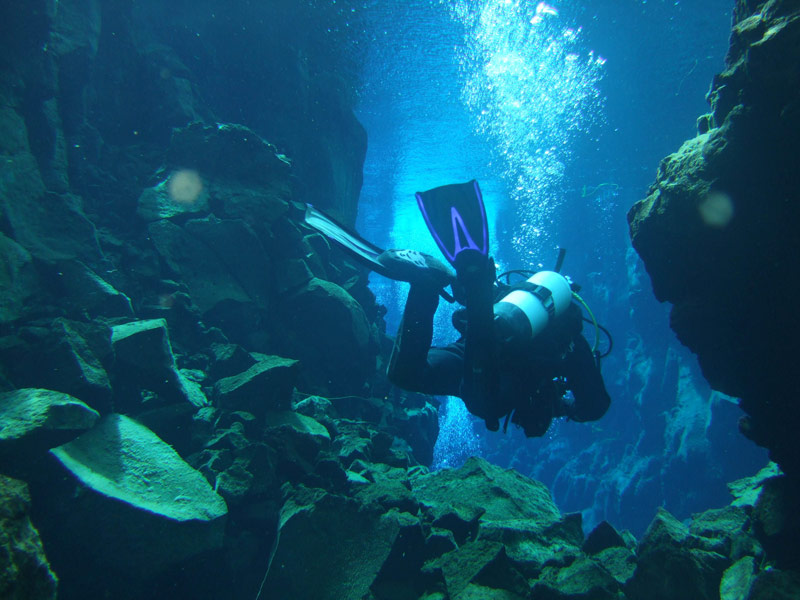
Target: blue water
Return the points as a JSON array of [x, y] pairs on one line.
[[562, 111]]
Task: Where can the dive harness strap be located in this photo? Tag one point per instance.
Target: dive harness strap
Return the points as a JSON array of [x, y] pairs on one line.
[[544, 295]]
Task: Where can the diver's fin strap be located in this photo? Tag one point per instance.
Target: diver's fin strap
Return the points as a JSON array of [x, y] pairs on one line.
[[544, 295]]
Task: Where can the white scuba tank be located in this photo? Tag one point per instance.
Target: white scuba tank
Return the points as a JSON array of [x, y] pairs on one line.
[[526, 311]]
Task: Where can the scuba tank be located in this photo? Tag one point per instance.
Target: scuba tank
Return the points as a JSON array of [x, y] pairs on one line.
[[526, 311]]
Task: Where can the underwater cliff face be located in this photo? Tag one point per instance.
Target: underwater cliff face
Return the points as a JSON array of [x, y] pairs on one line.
[[717, 231], [192, 398]]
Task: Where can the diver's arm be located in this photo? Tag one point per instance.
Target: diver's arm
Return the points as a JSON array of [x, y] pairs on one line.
[[586, 382], [476, 276], [414, 365]]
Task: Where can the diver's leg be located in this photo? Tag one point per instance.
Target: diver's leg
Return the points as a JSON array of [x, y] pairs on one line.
[[476, 276], [586, 382], [409, 360]]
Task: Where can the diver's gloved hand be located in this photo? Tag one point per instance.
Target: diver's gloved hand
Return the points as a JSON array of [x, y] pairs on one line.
[[417, 268], [476, 275]]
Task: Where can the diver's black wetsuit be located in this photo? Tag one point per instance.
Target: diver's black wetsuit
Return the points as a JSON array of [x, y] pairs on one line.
[[521, 386]]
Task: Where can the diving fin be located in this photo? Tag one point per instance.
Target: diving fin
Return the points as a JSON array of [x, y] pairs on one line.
[[456, 217], [399, 265], [360, 249]]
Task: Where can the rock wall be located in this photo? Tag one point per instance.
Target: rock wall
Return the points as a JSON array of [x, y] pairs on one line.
[[190, 378], [718, 229]]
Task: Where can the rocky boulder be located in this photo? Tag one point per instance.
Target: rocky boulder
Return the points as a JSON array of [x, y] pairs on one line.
[[34, 420], [24, 571], [145, 363], [129, 505], [327, 328]]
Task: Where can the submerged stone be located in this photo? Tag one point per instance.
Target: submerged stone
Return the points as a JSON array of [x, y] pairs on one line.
[[669, 567], [144, 361], [140, 508], [266, 386], [49, 416], [24, 571], [329, 548]]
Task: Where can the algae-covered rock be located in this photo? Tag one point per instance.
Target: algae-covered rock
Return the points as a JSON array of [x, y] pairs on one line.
[[481, 562], [737, 580], [24, 571], [718, 529], [480, 490], [140, 507], [668, 566], [584, 578], [483, 501]]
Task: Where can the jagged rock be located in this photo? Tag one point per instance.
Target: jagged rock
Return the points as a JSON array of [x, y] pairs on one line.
[[669, 567], [265, 386], [602, 537], [718, 530], [51, 226], [328, 547], [724, 193], [162, 201], [140, 509], [33, 421], [228, 359], [88, 294], [24, 571], [584, 578], [19, 282], [76, 355], [480, 494], [195, 264], [774, 584], [328, 329], [481, 562], [737, 580], [228, 152], [240, 251], [619, 562], [144, 361], [776, 521], [746, 491], [384, 485], [417, 425]]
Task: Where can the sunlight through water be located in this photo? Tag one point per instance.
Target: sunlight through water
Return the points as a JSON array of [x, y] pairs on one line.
[[532, 88]]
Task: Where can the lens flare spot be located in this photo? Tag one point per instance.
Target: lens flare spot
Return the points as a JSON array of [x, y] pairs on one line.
[[716, 210], [185, 186]]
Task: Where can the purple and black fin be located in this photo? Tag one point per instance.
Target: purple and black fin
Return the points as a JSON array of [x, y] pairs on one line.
[[456, 217]]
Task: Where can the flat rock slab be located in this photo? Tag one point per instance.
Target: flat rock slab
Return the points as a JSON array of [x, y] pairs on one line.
[[329, 548], [34, 420], [266, 386], [141, 507], [26, 411]]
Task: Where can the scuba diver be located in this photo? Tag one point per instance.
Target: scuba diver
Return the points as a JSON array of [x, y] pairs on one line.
[[521, 355]]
